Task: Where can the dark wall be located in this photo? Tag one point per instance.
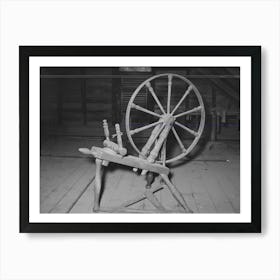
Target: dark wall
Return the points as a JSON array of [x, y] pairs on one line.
[[71, 103], [74, 101]]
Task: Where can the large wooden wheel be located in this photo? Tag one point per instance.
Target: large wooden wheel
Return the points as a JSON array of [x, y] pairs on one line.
[[167, 114]]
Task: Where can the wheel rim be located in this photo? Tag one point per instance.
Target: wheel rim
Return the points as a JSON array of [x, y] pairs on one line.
[[198, 134]]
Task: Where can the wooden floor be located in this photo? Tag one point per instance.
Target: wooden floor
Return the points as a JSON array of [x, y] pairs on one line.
[[209, 183]]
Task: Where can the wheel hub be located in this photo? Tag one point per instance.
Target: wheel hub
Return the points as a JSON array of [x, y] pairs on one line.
[[168, 119]]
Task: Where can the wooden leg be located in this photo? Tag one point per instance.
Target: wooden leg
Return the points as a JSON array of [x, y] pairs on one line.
[[176, 194], [97, 185], [149, 194], [150, 179], [151, 197]]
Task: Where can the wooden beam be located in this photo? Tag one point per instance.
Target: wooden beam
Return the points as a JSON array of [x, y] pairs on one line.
[[84, 100], [213, 126], [228, 90], [194, 76], [131, 161]]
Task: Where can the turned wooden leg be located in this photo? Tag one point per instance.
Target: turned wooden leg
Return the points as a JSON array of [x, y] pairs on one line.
[[176, 194], [97, 185], [150, 194], [150, 179]]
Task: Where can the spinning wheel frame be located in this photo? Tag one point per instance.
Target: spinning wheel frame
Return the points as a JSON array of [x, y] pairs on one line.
[[191, 87]]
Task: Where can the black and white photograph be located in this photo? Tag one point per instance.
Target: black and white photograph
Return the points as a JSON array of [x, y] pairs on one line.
[[140, 139], [140, 135]]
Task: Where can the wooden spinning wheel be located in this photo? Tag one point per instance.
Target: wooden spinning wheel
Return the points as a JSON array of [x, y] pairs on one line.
[[152, 156], [166, 116]]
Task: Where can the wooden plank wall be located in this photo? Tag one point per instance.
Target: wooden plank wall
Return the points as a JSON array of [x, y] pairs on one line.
[[73, 105], [76, 106]]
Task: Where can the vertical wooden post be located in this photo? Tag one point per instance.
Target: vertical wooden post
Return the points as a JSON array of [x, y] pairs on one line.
[[116, 96], [213, 126], [213, 115], [214, 98], [84, 100], [218, 119]]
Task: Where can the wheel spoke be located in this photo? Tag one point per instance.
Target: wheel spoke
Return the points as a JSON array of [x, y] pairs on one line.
[[139, 108], [179, 140], [151, 90], [137, 130], [182, 99], [187, 129], [163, 153], [196, 109], [169, 93]]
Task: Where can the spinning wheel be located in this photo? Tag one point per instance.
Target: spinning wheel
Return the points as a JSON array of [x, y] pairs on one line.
[[165, 114]]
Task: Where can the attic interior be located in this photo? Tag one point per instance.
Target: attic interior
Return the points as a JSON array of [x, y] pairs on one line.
[[75, 101]]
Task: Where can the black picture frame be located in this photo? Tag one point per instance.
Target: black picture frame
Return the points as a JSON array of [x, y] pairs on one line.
[[25, 52]]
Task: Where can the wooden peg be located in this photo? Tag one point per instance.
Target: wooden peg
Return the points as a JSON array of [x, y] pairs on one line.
[[119, 135], [106, 130]]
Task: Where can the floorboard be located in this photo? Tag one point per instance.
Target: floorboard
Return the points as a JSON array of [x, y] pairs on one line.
[[209, 183]]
